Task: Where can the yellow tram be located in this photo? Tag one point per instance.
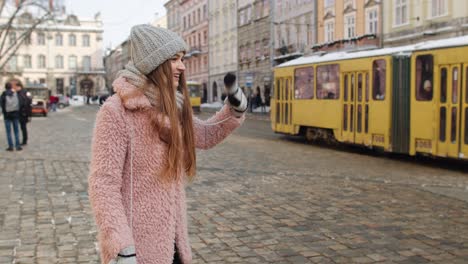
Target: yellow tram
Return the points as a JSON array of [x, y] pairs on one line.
[[195, 92], [411, 99]]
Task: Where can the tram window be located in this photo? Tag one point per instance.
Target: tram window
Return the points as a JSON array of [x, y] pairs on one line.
[[455, 85], [352, 88], [466, 126], [328, 82], [466, 88], [276, 88], [367, 87], [304, 83], [345, 88], [345, 117], [443, 85], [366, 120], [359, 119], [424, 77], [442, 124], [379, 71], [453, 128], [359, 87]]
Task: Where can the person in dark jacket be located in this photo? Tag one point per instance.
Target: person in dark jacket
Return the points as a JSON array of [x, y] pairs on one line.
[[25, 111], [10, 108]]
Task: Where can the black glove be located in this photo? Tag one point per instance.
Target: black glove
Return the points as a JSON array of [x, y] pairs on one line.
[[236, 97]]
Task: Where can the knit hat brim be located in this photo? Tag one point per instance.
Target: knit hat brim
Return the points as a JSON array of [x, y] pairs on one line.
[[162, 54]]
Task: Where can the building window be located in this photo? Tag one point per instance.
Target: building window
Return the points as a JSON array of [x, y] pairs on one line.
[[85, 40], [241, 17], [12, 38], [372, 21], [41, 62], [59, 85], [329, 31], [59, 62], [257, 49], [13, 63], [185, 22], [438, 8], [258, 9], [401, 12], [72, 40], [350, 26], [86, 63], [72, 62], [58, 40], [266, 8], [266, 47], [40, 39], [27, 64], [329, 3], [27, 40]]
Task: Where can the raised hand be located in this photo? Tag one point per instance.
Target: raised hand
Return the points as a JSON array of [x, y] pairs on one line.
[[236, 97]]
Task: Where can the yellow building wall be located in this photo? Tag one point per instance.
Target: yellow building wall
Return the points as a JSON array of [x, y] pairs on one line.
[[337, 10]]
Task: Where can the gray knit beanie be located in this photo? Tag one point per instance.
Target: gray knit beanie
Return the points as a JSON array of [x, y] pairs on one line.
[[151, 46]]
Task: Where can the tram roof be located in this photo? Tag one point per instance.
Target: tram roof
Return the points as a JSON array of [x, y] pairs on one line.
[[346, 55]]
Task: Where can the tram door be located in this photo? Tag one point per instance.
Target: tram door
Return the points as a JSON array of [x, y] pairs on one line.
[[464, 113], [355, 107], [452, 111], [283, 116]]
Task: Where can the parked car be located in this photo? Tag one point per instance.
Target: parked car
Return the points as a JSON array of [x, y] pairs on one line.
[[63, 102], [39, 107], [77, 100]]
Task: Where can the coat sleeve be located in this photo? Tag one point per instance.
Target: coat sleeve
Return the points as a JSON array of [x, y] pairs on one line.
[[212, 131], [109, 147]]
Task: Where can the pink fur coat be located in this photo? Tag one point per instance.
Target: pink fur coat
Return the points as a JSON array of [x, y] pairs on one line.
[[159, 209]]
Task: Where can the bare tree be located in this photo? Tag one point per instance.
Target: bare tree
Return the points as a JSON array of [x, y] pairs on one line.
[[20, 17]]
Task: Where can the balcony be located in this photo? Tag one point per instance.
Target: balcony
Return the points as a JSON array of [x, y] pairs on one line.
[[13, 69], [90, 70]]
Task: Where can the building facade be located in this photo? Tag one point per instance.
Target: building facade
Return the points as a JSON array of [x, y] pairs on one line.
[[114, 61], [173, 16], [411, 21], [65, 56], [194, 29], [222, 45], [349, 24], [254, 45], [294, 29]]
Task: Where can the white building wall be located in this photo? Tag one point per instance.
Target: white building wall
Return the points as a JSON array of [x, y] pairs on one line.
[[89, 27]]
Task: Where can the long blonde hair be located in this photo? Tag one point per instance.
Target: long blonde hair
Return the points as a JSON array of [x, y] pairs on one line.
[[181, 139]]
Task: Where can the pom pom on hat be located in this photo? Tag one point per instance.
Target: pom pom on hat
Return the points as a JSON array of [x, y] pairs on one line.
[[151, 46]]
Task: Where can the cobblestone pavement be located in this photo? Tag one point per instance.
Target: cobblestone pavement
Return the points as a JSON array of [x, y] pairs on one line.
[[256, 199]]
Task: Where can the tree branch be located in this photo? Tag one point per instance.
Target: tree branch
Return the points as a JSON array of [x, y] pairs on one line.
[[11, 50]]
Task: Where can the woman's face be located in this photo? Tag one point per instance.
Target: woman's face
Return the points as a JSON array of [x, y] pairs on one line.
[[178, 67]]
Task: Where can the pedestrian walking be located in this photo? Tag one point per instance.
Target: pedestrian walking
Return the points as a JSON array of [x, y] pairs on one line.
[[10, 109], [25, 111], [143, 152]]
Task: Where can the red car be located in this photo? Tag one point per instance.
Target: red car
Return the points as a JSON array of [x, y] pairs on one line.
[[39, 107]]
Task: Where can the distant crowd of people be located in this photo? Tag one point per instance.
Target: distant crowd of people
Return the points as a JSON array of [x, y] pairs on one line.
[[17, 112]]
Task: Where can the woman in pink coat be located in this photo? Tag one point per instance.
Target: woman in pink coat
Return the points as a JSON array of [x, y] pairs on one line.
[[143, 152]]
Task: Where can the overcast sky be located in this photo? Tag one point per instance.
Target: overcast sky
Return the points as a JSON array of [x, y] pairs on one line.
[[118, 15]]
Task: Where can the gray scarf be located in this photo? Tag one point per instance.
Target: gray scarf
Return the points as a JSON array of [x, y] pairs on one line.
[[139, 80]]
